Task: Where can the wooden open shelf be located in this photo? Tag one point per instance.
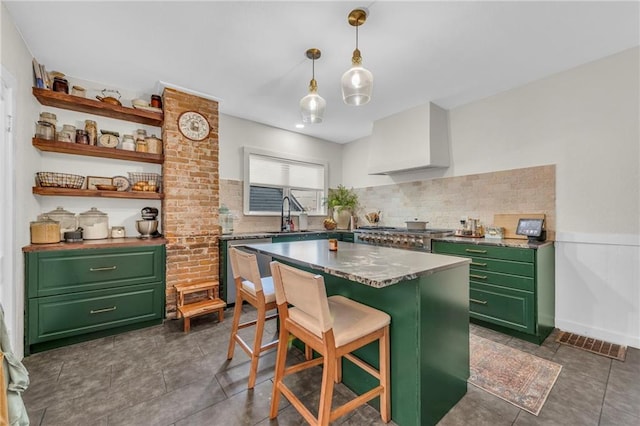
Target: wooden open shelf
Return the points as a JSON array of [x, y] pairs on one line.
[[91, 106], [68, 192], [96, 151]]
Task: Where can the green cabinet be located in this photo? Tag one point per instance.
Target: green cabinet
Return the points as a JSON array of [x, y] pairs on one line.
[[511, 289], [300, 236], [76, 295]]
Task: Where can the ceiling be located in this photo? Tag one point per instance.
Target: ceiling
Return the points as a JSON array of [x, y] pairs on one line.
[[251, 55]]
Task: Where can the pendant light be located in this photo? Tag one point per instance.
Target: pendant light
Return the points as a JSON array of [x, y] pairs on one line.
[[312, 106], [357, 82]]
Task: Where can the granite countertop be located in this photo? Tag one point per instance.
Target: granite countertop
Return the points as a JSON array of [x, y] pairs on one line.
[[93, 244], [366, 264], [267, 234], [498, 242]]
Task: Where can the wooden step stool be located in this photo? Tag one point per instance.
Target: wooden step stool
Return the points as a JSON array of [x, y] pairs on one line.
[[200, 307]]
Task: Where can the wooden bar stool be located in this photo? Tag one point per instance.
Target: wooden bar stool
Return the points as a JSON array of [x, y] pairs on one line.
[[334, 327], [259, 293]]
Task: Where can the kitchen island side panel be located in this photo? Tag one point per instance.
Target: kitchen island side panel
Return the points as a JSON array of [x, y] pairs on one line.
[[444, 341], [429, 350]]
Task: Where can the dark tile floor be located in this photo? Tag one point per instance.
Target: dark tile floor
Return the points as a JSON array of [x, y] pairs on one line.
[[161, 376]]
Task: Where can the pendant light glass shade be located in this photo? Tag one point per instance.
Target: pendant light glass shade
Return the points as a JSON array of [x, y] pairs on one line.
[[357, 82], [312, 106]]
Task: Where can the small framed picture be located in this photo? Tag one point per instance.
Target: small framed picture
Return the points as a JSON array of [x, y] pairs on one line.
[[92, 181]]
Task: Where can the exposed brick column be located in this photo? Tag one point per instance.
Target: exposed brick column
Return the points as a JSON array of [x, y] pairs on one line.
[[191, 186]]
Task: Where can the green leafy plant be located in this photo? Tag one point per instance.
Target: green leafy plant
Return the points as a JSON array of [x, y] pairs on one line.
[[341, 198]]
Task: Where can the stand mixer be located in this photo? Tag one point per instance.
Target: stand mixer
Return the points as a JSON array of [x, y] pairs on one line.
[[148, 226]]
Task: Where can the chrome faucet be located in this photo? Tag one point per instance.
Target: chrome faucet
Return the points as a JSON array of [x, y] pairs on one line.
[[285, 226]]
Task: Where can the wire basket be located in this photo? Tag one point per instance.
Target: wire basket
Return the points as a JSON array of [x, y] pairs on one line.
[[142, 181], [59, 180]]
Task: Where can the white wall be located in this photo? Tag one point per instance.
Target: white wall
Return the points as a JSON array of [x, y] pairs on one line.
[[586, 121], [235, 133], [16, 59]]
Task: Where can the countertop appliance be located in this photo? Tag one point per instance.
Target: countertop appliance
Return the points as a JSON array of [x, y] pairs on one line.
[[388, 236]]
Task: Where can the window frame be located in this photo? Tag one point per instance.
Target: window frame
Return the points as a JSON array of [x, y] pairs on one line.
[[248, 151]]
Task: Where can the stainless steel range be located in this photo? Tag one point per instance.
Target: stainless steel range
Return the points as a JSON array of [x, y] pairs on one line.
[[399, 237]]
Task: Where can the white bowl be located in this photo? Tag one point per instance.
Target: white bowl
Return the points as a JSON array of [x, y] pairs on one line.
[[140, 103]]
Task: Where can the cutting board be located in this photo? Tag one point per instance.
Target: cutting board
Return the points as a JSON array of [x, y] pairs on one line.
[[509, 221]]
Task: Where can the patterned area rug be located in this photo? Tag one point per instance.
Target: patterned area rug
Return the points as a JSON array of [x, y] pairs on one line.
[[520, 378]]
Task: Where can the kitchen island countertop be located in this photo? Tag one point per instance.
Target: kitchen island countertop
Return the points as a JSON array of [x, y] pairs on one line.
[[366, 264]]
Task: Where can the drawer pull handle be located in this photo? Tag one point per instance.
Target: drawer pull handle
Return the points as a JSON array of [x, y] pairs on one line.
[[480, 277], [479, 302], [106, 268], [100, 311], [475, 251], [478, 264]]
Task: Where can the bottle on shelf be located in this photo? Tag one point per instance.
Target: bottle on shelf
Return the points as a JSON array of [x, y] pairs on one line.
[[91, 128]]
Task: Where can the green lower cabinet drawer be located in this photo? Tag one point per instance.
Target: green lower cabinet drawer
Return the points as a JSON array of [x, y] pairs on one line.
[[57, 317], [524, 269], [71, 271], [509, 308], [505, 280], [485, 251]]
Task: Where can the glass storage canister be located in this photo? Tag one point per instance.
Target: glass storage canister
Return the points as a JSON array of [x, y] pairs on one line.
[[91, 128], [140, 135], [67, 134], [44, 231], [49, 117], [156, 101], [226, 219], [45, 130], [128, 143], [94, 223], [154, 145], [141, 146], [66, 219], [82, 137], [60, 85]]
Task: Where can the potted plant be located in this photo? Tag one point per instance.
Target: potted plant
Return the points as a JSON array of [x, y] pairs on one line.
[[343, 202]]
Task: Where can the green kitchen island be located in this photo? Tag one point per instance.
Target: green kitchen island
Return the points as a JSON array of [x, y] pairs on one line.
[[427, 297]]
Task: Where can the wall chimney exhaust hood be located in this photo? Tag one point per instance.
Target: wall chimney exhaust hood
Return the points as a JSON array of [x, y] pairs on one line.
[[414, 139]]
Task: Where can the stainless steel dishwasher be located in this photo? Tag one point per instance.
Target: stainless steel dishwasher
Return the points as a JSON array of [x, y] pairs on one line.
[[263, 265]]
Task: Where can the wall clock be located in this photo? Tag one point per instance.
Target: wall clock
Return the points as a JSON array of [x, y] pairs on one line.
[[193, 125]]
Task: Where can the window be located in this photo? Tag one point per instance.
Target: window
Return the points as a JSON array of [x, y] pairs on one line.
[[270, 176]]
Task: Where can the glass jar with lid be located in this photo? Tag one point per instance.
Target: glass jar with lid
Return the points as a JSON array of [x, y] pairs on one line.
[[94, 224], [226, 219], [44, 231], [141, 146], [49, 117], [66, 219], [140, 135], [128, 143], [91, 128], [154, 145], [68, 133]]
